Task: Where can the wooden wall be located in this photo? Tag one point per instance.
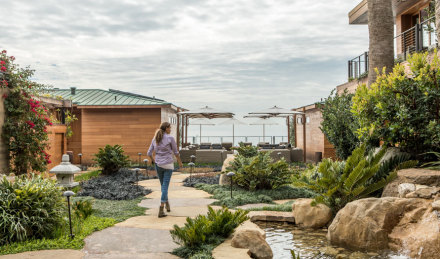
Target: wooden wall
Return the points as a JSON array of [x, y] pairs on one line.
[[57, 144], [74, 142], [133, 128]]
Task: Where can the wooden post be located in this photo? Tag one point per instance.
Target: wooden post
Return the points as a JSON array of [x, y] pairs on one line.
[[186, 129], [294, 128], [288, 129], [304, 135], [178, 128]]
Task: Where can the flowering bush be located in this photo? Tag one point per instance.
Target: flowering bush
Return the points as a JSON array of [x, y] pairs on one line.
[[25, 128]]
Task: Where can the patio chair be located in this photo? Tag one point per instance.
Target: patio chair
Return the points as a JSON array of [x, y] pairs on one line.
[[227, 145], [216, 146], [247, 144], [277, 154], [205, 146]]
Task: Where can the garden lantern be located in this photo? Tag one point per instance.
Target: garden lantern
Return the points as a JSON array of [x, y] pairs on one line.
[[68, 194], [65, 172], [139, 154], [231, 174], [191, 170]]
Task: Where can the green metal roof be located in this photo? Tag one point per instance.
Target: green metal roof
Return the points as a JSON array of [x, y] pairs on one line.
[[94, 97]]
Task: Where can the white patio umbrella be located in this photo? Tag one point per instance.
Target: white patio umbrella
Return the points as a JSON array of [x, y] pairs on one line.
[[200, 122], [264, 122], [232, 121], [208, 113], [276, 112]]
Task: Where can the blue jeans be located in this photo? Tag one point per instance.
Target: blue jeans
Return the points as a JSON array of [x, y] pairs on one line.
[[164, 178]]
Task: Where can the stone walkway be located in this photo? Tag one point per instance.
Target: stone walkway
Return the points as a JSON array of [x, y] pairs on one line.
[[143, 236]]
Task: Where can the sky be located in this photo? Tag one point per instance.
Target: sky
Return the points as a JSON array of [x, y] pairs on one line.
[[234, 55]]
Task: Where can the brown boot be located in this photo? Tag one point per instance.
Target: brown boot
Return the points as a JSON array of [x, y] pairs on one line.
[[161, 212], [167, 204]]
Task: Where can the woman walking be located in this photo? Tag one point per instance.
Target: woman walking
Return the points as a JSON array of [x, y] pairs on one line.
[[164, 147]]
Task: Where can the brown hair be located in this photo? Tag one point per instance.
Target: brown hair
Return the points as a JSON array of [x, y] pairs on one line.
[[159, 133]]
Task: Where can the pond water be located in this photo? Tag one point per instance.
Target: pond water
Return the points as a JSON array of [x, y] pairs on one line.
[[308, 243]]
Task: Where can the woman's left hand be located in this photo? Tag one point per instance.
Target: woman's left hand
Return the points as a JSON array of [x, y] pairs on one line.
[[180, 164]]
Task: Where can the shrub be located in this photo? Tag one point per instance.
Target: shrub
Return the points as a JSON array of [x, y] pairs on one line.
[[29, 207], [434, 165], [119, 186], [339, 124], [260, 172], [402, 109], [111, 159], [82, 208], [203, 230], [242, 197], [246, 151], [338, 183]]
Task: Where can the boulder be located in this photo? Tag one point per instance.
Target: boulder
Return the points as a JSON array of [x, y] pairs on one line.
[[413, 176], [418, 233], [400, 224], [424, 193], [254, 241], [225, 180], [311, 216], [366, 223], [436, 205]]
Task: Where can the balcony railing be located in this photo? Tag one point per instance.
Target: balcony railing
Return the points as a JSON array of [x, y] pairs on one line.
[[416, 39]]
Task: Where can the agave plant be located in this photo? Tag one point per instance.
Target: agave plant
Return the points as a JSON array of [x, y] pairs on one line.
[[339, 183]]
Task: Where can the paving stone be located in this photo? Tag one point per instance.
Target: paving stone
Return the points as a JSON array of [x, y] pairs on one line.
[[182, 193], [278, 216], [125, 240], [226, 251], [153, 222], [44, 254], [115, 255], [177, 202]]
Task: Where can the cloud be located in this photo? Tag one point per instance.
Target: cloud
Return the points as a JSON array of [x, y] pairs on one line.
[[235, 55]]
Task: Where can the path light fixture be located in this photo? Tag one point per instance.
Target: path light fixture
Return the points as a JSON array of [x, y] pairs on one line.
[[137, 176], [191, 170], [146, 168], [80, 160], [193, 158], [279, 155], [139, 154], [67, 194], [231, 174]]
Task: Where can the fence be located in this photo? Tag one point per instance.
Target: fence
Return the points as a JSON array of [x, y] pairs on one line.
[[416, 39], [238, 139]]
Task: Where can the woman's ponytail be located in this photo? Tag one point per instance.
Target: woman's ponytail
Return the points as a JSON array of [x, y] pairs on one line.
[[161, 131]]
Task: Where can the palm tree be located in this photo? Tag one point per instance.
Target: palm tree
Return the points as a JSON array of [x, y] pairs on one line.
[[437, 18], [381, 33]]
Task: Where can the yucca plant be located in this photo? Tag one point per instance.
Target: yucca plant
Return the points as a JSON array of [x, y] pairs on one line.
[[205, 229], [434, 165], [111, 159], [339, 183], [82, 208], [29, 208]]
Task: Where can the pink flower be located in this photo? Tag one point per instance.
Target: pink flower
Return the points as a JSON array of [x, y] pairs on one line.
[[2, 62], [5, 96], [12, 58], [5, 83], [4, 51], [3, 69]]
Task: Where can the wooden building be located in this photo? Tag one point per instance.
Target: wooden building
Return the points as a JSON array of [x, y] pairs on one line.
[[308, 135], [114, 117]]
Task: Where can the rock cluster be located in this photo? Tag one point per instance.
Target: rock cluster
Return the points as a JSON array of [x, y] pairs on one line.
[[310, 216], [224, 180], [250, 236]]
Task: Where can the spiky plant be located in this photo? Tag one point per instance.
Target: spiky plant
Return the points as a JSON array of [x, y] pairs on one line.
[[434, 165], [339, 183]]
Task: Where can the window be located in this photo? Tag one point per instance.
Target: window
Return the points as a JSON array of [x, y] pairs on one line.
[[299, 120], [307, 120], [172, 120]]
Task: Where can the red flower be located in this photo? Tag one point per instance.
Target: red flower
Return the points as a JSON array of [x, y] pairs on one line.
[[48, 161], [4, 51], [5, 96], [5, 83], [29, 86], [2, 62], [3, 69], [12, 58], [30, 123]]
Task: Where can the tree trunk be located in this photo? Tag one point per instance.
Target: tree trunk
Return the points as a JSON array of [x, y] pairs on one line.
[[381, 33], [437, 19]]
